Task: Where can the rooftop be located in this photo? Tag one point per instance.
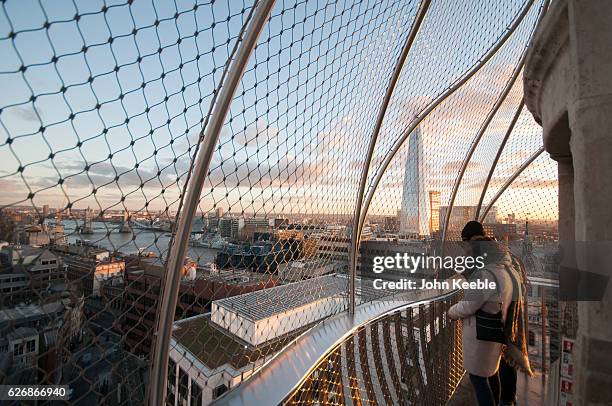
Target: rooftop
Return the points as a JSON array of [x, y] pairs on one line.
[[22, 332], [32, 310], [24, 254], [214, 348], [240, 277], [83, 250], [268, 302], [314, 262]]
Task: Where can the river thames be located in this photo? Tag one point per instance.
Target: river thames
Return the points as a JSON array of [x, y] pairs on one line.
[[107, 235]]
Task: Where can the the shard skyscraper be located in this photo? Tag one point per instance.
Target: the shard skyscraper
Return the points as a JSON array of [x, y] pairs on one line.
[[414, 219]]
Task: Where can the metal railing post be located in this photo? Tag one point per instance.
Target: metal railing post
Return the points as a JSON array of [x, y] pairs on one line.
[[356, 234], [158, 375]]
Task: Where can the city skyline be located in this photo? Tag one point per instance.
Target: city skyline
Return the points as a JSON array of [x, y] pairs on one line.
[[195, 195], [152, 148]]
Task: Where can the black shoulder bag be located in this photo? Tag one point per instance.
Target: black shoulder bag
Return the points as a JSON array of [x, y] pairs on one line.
[[490, 326]]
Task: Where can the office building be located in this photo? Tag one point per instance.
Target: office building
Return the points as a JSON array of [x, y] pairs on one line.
[[219, 212], [414, 220], [29, 273], [230, 227], [391, 224], [434, 211], [460, 215]]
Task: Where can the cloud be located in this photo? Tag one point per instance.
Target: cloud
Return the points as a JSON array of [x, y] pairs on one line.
[[286, 171], [514, 157], [28, 113], [106, 173], [330, 157], [525, 183], [453, 166], [14, 189], [357, 165], [458, 118], [257, 133]]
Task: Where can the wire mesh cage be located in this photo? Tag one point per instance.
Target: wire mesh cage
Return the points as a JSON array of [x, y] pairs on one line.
[[106, 108]]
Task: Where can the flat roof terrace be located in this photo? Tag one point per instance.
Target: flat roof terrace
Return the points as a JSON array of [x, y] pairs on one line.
[[267, 314], [265, 303], [215, 347]]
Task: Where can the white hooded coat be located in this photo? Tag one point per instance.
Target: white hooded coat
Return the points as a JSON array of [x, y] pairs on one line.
[[482, 358]]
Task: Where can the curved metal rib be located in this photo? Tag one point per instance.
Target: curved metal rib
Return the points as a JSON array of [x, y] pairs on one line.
[[178, 249], [381, 116], [483, 128], [278, 378], [510, 180], [498, 155], [433, 105]]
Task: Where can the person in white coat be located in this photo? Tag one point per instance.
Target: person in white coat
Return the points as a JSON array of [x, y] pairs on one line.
[[481, 358]]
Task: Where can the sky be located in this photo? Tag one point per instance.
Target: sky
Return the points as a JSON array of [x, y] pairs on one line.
[[122, 92]]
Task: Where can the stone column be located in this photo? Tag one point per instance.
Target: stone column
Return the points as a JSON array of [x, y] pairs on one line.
[[590, 118], [568, 274]]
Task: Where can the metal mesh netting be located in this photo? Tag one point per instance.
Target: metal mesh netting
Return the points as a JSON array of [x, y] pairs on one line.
[[394, 360], [411, 201], [102, 115], [100, 105]]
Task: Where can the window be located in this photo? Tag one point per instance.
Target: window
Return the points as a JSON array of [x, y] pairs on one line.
[[531, 338], [31, 346], [219, 390], [183, 384], [171, 382], [17, 349], [196, 394]]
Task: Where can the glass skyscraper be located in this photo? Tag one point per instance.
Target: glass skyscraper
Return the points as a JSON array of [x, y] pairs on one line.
[[414, 219]]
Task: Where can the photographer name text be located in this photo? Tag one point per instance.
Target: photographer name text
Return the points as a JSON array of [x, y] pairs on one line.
[[412, 284]]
